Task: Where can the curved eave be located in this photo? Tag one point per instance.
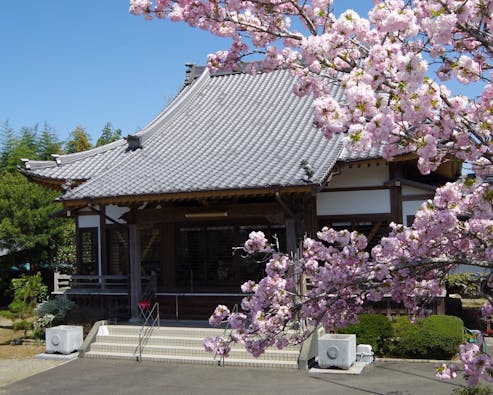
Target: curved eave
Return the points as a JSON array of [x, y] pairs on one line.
[[175, 196], [48, 182]]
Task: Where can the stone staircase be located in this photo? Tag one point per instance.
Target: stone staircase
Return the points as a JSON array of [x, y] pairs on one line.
[[181, 345]]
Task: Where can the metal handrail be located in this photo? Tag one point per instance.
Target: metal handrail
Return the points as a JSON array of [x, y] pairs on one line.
[[146, 330]]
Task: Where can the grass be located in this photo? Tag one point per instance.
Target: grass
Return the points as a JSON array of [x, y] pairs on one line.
[[7, 351]]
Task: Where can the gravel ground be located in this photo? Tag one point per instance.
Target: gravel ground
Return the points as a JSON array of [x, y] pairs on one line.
[[12, 370]]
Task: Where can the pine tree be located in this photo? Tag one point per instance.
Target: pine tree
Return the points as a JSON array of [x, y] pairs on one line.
[[78, 142], [108, 135]]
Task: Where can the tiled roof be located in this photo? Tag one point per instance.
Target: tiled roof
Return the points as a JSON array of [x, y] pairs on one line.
[[80, 165], [222, 132], [347, 155]]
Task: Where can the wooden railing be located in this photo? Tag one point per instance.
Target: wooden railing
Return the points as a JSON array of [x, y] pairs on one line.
[[64, 282]]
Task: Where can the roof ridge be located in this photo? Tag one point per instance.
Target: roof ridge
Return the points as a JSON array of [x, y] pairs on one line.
[[72, 157], [138, 139]]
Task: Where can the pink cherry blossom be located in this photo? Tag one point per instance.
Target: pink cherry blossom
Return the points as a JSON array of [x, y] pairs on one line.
[[395, 66]]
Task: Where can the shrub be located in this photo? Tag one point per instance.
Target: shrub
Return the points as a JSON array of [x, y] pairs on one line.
[[51, 312], [22, 325], [480, 389], [436, 337], [57, 307], [466, 284], [373, 329], [28, 292]]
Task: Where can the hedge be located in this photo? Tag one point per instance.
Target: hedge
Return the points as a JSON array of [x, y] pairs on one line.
[[435, 337], [373, 329]]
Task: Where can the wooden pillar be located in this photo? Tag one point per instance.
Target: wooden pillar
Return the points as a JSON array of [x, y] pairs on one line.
[[135, 270], [291, 239], [78, 252], [396, 203], [102, 240], [395, 171], [168, 253], [310, 216]]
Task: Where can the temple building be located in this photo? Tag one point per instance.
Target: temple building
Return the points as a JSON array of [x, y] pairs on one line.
[[163, 208]]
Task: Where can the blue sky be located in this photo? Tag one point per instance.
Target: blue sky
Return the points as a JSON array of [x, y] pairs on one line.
[[71, 63], [87, 62]]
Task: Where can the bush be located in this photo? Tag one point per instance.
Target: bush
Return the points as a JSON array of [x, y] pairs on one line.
[[57, 308], [51, 312], [373, 329], [28, 292], [467, 285], [480, 389], [436, 337]]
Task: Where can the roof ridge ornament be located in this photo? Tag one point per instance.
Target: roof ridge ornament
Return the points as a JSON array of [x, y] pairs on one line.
[[57, 159], [26, 163], [192, 72], [134, 142]]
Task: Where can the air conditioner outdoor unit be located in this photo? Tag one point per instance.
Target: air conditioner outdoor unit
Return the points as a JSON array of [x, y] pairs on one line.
[[63, 339], [364, 353], [336, 350]]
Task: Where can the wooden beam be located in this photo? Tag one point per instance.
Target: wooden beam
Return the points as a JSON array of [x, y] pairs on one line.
[[226, 193], [417, 198], [224, 212], [356, 189], [374, 231]]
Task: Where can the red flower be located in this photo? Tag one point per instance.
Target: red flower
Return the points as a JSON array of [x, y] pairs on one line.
[[145, 304]]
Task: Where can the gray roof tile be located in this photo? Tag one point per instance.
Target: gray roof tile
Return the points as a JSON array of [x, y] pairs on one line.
[[221, 132]]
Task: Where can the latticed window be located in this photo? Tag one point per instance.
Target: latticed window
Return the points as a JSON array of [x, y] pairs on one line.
[[150, 251], [205, 260], [117, 250], [88, 251]]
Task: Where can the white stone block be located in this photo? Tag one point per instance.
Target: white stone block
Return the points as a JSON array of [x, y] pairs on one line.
[[63, 339], [336, 350]]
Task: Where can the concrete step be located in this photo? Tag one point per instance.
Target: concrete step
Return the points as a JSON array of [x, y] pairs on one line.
[[209, 360], [156, 340], [271, 354], [181, 345], [165, 331]]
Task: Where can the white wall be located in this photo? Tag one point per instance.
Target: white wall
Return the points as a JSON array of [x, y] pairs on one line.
[[115, 212], [88, 221], [353, 202], [407, 190], [363, 176], [409, 207]]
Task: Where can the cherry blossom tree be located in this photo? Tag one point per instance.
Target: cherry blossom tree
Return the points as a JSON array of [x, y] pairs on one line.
[[396, 67]]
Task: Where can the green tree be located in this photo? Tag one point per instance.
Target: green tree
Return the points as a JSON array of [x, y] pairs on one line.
[[27, 232], [78, 141], [28, 292], [9, 140], [47, 144], [108, 135]]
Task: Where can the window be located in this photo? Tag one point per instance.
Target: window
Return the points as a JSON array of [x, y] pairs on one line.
[[373, 228], [117, 249], [205, 259], [88, 251], [150, 251]]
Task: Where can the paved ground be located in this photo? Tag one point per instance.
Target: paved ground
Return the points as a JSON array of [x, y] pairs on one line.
[[12, 370], [88, 376]]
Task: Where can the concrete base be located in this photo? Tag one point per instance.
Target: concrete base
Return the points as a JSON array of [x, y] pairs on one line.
[[57, 357], [356, 368]]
